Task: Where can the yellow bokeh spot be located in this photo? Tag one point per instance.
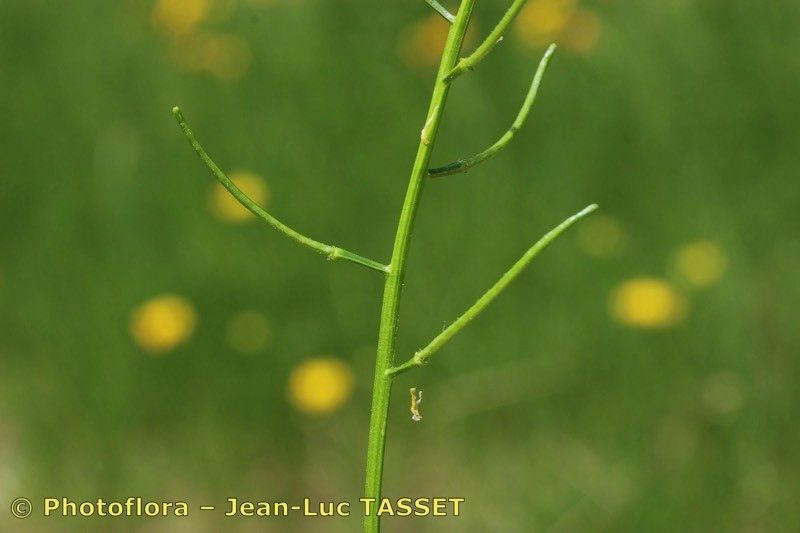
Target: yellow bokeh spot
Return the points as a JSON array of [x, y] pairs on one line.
[[647, 303], [160, 324], [701, 263], [248, 332], [541, 21], [583, 32], [601, 236], [225, 56], [227, 208], [421, 43], [320, 385], [178, 18]]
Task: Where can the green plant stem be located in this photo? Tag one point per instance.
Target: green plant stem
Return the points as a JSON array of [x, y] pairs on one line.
[[385, 372], [394, 280], [331, 252], [469, 62], [439, 8], [462, 165], [440, 340]]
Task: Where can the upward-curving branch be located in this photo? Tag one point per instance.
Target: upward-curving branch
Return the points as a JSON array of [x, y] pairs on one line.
[[440, 340], [468, 63], [330, 251], [462, 165]]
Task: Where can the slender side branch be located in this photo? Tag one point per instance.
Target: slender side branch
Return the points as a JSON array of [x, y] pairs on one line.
[[331, 252], [462, 165], [439, 8], [424, 354], [468, 63]]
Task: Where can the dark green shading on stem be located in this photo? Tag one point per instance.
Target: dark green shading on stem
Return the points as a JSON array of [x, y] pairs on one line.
[[331, 252], [462, 165]]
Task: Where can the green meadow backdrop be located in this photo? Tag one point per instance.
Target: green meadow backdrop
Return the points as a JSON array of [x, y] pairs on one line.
[[156, 341]]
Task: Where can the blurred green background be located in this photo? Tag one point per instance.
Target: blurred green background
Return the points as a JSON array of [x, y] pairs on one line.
[[640, 376]]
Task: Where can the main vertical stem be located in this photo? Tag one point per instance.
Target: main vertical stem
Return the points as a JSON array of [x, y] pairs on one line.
[[394, 279]]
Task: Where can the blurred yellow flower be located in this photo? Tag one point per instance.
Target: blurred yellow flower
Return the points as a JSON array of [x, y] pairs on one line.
[[583, 32], [320, 385], [601, 236], [160, 324], [541, 21], [701, 263], [226, 208], [178, 18], [647, 303], [225, 56], [248, 332], [420, 44]]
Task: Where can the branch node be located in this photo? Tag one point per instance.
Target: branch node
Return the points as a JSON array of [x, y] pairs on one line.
[[425, 133], [492, 40]]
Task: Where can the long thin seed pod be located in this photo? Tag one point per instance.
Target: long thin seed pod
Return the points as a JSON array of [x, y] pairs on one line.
[[440, 340], [330, 251], [462, 165], [469, 62]]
